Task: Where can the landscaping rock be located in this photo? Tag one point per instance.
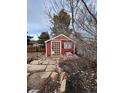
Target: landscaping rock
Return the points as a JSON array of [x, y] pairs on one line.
[[59, 69], [51, 62], [38, 80], [63, 76], [63, 86], [45, 62], [54, 76], [51, 68], [34, 62], [46, 75], [28, 74], [75, 56], [33, 91], [35, 68], [40, 62]]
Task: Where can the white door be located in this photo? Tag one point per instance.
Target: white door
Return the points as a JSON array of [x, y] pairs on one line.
[[55, 47]]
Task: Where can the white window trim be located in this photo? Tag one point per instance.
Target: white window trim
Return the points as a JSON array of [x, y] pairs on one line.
[[58, 36], [46, 48], [59, 49], [68, 42]]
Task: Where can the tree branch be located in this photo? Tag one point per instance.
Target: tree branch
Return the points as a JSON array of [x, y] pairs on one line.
[[89, 11]]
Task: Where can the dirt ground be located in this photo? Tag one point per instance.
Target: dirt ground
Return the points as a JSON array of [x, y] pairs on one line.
[[82, 75], [34, 56]]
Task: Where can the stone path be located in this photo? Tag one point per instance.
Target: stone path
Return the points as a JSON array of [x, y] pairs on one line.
[[36, 68], [47, 65], [39, 71]]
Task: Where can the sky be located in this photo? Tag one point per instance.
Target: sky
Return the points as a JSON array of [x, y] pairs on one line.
[[37, 20]]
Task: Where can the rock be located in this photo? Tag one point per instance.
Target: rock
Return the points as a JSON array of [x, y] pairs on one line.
[[33, 91], [54, 76], [51, 68], [28, 65], [63, 86], [59, 69], [46, 75], [75, 56], [45, 62], [40, 62], [35, 68], [63, 76], [29, 60], [28, 74], [34, 62], [38, 80], [51, 62]]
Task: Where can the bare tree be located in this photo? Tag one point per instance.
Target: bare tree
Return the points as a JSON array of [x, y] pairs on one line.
[[83, 23]]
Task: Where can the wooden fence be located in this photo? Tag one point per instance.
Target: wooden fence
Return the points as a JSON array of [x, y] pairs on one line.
[[35, 49]]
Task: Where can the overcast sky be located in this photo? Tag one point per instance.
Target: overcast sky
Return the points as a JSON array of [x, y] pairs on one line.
[[37, 20]]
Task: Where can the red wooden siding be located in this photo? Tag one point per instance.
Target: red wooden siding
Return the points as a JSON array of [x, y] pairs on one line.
[[67, 50], [48, 48], [63, 39]]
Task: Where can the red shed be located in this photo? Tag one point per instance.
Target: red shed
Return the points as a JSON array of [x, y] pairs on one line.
[[59, 46]]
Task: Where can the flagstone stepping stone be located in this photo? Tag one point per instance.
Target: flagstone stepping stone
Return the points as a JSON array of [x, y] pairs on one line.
[[51, 68], [35, 68], [28, 65], [40, 62], [28, 74], [51, 62], [45, 75], [33, 91], [45, 62], [38, 80], [34, 62]]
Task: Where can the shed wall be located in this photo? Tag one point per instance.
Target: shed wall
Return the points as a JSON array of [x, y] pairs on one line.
[[48, 48]]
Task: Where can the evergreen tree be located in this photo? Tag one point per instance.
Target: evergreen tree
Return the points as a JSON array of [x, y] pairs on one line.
[[61, 23], [28, 39], [42, 38]]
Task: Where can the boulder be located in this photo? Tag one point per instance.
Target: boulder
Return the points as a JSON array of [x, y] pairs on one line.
[[33, 91], [59, 69], [45, 62], [75, 56], [51, 62], [46, 75], [54, 76], [38, 80], [34, 62], [35, 68], [51, 68], [28, 74], [63, 86], [63, 76]]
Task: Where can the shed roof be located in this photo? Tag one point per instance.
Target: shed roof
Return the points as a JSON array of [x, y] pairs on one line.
[[59, 36]]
